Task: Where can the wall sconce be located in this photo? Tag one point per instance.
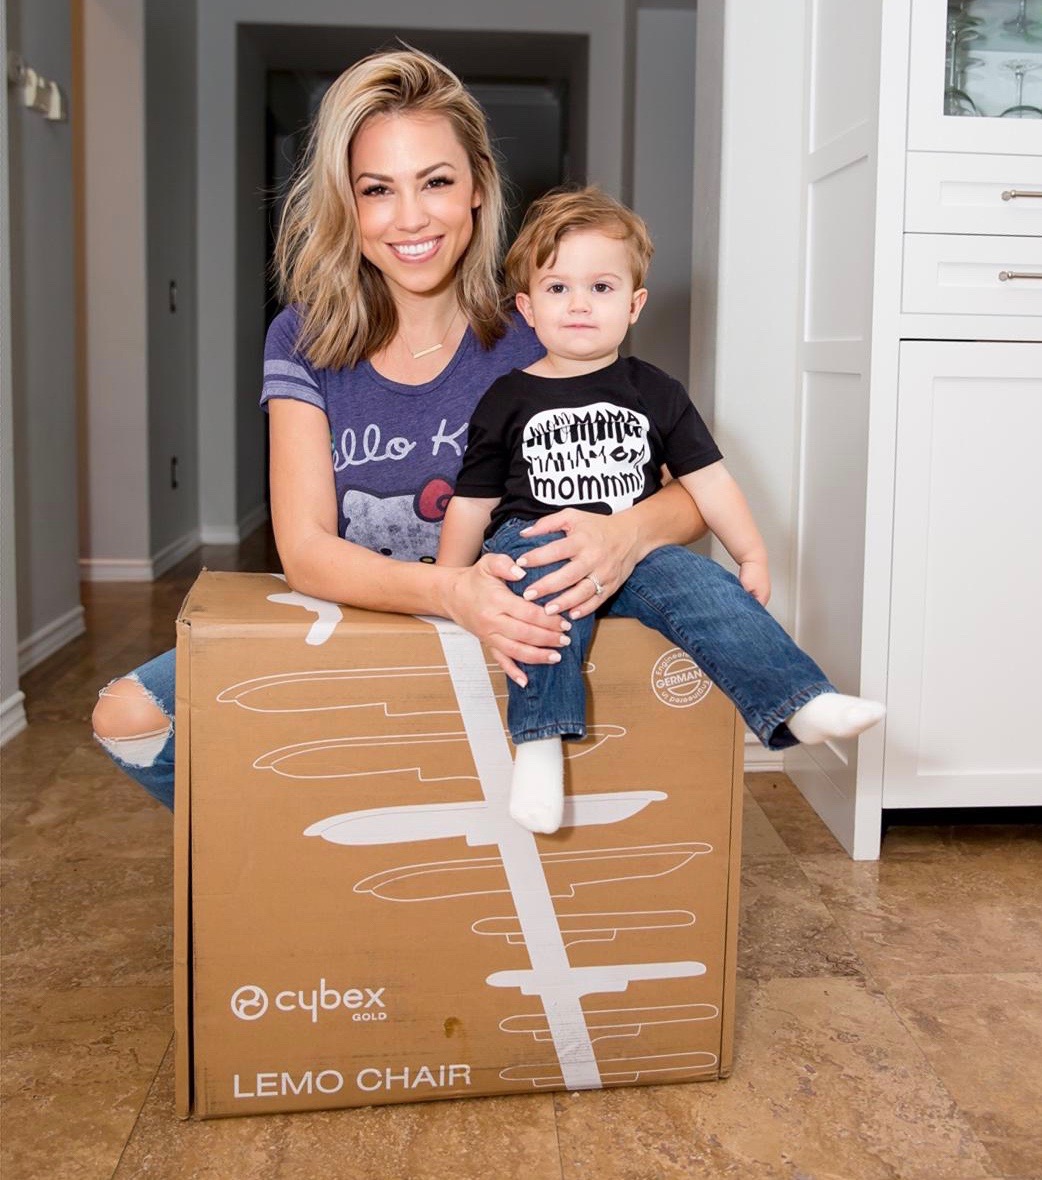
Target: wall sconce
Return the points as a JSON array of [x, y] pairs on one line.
[[36, 92]]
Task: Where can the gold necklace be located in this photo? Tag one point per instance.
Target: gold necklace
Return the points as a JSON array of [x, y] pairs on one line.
[[434, 347]]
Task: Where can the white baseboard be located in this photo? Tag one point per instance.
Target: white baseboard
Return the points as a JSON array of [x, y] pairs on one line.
[[35, 648], [759, 758], [215, 534], [12, 716], [144, 569], [115, 569]]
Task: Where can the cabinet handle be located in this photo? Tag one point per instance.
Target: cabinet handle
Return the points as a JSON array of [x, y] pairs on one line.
[[1011, 194], [1006, 275]]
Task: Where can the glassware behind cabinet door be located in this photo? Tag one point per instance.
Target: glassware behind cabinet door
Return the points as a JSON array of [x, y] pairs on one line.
[[1020, 109], [959, 35], [1021, 26]]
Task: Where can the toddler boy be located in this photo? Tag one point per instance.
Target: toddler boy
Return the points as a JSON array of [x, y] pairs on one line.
[[585, 428]]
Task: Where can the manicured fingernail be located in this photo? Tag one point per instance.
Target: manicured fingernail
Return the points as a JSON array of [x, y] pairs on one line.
[[576, 615], [521, 682], [522, 562], [565, 625], [516, 572], [554, 657], [525, 532], [552, 608], [528, 594]]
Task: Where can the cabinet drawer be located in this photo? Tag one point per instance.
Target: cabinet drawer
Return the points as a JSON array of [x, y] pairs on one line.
[[963, 194], [950, 274]]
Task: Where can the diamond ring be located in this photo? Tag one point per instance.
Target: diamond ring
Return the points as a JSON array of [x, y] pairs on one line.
[[598, 588]]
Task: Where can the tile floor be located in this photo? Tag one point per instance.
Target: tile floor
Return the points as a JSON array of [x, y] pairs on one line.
[[889, 1019]]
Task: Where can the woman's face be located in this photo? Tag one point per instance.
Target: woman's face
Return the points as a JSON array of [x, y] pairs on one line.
[[415, 197]]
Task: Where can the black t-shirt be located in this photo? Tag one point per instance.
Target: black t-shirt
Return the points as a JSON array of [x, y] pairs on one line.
[[596, 442]]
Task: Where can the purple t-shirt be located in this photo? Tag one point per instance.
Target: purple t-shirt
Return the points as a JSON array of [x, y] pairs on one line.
[[396, 448]]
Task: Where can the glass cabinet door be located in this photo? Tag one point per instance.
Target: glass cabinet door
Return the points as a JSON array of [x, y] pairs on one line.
[[975, 76]]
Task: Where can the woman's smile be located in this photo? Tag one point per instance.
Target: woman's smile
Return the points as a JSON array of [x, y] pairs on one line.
[[416, 251], [415, 197]]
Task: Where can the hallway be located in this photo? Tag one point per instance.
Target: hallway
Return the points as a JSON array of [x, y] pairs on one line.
[[889, 1014]]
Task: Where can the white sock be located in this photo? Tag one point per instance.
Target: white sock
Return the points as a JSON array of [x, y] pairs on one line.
[[833, 715], [537, 785]]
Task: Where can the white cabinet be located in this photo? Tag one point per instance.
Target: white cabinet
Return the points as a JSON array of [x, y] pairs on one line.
[[965, 663], [921, 360]]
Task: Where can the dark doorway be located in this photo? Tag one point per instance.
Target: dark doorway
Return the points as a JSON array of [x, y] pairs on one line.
[[532, 87]]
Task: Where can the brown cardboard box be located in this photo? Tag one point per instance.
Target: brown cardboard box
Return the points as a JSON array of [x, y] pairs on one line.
[[359, 921]]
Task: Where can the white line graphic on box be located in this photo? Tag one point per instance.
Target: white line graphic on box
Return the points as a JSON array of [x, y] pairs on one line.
[[562, 872], [327, 614], [532, 879], [621, 1071], [261, 693], [279, 760], [592, 927], [609, 1023]]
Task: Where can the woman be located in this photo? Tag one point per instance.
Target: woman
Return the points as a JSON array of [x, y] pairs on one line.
[[393, 329]]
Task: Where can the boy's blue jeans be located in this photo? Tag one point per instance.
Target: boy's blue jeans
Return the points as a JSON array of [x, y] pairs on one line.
[[697, 605]]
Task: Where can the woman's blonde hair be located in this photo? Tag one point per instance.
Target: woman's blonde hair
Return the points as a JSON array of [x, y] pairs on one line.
[[347, 312]]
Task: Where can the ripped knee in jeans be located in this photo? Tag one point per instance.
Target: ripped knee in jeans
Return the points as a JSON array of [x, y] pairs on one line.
[[131, 720]]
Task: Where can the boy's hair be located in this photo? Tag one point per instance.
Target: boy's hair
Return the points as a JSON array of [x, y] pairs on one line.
[[561, 211]]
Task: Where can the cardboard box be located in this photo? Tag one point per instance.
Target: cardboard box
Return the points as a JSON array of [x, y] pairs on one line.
[[359, 921]]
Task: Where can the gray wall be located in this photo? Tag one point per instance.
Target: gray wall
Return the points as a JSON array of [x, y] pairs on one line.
[[663, 180], [170, 133], [251, 478], [12, 712], [43, 325], [114, 540], [705, 236], [138, 186]]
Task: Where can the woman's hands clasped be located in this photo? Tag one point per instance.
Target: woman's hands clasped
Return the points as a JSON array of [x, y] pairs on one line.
[[516, 631], [600, 552]]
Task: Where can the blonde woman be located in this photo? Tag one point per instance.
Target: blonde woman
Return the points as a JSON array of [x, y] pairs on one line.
[[393, 329]]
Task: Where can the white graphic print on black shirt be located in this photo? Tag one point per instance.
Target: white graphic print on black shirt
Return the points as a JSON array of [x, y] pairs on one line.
[[597, 441], [587, 455]]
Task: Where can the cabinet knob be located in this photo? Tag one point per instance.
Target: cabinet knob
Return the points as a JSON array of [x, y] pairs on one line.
[[1011, 194]]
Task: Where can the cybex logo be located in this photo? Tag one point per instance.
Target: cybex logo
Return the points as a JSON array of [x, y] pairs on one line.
[[250, 1002]]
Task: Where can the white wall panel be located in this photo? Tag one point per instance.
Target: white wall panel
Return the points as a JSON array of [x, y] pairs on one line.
[[844, 68], [831, 523], [839, 254]]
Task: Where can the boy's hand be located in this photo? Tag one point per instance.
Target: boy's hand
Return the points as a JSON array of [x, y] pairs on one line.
[[756, 578]]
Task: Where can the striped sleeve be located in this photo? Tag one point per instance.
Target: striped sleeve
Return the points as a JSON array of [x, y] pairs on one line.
[[287, 372]]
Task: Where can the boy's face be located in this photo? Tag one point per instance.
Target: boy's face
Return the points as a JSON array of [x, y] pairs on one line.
[[582, 302]]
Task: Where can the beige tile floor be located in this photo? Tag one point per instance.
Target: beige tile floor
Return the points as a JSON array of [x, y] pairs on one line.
[[889, 1020]]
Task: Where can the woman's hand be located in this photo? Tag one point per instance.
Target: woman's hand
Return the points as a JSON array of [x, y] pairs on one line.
[[515, 631], [601, 552]]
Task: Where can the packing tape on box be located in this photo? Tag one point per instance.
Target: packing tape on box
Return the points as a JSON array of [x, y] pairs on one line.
[[552, 978]]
